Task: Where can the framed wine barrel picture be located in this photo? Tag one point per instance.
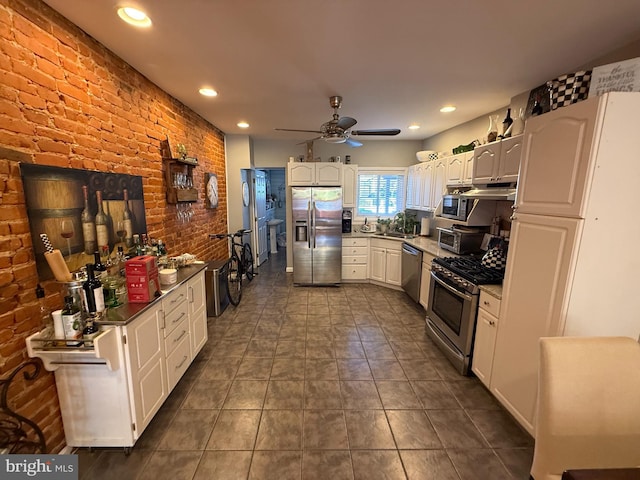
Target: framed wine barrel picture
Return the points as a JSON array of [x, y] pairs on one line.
[[81, 211]]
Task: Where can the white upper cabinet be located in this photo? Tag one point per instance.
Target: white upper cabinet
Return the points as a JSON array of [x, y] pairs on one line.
[[455, 169], [314, 173], [497, 162], [555, 161], [350, 185]]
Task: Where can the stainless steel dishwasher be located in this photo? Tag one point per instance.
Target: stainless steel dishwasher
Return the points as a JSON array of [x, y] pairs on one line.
[[411, 271]]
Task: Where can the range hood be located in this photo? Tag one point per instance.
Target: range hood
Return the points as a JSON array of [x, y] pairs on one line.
[[488, 193]]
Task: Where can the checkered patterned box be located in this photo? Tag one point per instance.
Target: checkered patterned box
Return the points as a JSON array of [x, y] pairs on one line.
[[569, 88]]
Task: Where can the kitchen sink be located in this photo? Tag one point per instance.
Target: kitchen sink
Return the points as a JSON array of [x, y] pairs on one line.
[[395, 235]]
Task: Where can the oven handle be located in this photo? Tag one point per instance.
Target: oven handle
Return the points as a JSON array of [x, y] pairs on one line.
[[451, 289]]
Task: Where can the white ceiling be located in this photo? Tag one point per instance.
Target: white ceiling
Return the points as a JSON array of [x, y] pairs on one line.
[[276, 62]]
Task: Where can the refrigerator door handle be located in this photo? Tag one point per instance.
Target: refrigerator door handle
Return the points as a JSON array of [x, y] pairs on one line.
[[310, 225], [313, 210]]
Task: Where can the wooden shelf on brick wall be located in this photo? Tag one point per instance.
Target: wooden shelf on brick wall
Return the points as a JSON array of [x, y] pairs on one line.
[[176, 171]]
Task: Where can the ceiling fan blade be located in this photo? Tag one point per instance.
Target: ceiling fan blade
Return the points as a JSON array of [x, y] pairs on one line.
[[352, 143], [295, 130], [346, 122], [388, 132]]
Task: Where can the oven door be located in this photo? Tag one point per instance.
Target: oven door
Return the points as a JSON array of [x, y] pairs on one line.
[[453, 313]]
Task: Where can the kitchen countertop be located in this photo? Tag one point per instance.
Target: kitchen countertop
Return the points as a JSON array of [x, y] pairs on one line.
[[426, 244], [493, 290], [125, 313]]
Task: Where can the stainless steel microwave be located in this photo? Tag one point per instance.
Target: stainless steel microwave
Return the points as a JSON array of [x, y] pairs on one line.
[[456, 207]]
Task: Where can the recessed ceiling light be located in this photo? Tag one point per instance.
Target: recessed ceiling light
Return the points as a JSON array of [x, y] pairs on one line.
[[243, 124], [208, 92], [448, 109], [134, 17], [414, 127]]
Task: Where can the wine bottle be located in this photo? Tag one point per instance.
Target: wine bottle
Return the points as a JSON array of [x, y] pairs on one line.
[[45, 316], [93, 294], [102, 223], [127, 219], [72, 322], [88, 225], [90, 331], [537, 109], [98, 267], [506, 123]]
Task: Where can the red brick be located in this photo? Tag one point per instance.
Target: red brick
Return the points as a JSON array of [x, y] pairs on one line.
[[51, 159], [46, 145], [54, 134], [16, 140], [64, 37], [39, 44], [73, 92], [51, 69], [11, 80], [36, 116]]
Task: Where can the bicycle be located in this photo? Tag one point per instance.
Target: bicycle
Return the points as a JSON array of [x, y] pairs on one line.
[[239, 265]]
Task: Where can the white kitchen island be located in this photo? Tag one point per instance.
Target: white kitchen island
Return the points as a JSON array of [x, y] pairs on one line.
[[110, 392]]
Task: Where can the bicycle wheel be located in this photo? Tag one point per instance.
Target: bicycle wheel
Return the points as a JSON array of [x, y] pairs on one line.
[[247, 261], [234, 281]]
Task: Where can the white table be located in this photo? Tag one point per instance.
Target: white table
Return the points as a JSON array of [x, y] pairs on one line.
[[273, 232]]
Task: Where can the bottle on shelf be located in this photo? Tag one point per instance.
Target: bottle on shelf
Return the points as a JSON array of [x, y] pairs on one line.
[[93, 294], [102, 223], [127, 218], [537, 109], [72, 322], [44, 314], [506, 124], [90, 331], [88, 225]]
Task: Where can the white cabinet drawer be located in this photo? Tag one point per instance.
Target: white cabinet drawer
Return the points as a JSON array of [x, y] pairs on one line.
[[174, 298], [489, 303], [355, 242], [175, 316], [355, 251], [178, 361], [175, 337], [354, 272], [354, 259]]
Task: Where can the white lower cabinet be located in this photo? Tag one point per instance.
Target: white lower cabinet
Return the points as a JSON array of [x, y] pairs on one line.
[[355, 259], [385, 261], [110, 393], [425, 279], [485, 340]]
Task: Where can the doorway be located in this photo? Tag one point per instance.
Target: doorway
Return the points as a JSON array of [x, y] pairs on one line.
[[260, 209]]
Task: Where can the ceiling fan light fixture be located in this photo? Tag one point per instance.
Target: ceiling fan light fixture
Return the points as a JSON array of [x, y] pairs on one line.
[[334, 139], [134, 16]]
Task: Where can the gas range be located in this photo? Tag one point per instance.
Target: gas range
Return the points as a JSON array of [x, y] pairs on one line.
[[466, 273]]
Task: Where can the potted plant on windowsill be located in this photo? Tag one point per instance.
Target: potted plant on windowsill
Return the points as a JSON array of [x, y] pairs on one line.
[[384, 224]]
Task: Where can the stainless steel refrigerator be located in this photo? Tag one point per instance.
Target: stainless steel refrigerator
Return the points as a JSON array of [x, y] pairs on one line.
[[317, 235]]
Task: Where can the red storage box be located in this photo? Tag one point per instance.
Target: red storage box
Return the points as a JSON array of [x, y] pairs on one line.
[[142, 265], [142, 279]]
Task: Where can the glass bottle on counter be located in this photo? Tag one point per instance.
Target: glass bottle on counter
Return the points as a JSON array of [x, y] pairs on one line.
[[90, 331], [506, 124], [99, 268], [93, 294], [137, 246], [102, 223], [88, 225], [127, 219], [44, 314], [72, 322]]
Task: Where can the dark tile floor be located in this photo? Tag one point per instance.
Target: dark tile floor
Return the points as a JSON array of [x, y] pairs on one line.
[[321, 383]]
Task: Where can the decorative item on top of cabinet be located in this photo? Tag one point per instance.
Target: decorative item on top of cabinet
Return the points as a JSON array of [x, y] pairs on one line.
[[178, 174], [492, 132]]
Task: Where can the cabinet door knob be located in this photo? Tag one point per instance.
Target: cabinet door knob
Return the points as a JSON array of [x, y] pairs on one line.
[[491, 322]]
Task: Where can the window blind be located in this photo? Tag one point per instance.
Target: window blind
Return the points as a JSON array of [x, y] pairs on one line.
[[380, 195]]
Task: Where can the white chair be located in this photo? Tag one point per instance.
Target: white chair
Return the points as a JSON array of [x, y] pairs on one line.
[[588, 405]]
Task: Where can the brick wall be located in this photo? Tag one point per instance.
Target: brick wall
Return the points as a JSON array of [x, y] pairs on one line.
[[65, 100]]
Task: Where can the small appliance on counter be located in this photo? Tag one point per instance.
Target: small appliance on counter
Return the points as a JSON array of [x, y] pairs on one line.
[[459, 239], [346, 221], [425, 227], [368, 227]]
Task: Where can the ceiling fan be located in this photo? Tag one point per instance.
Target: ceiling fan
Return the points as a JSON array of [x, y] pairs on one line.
[[338, 129]]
